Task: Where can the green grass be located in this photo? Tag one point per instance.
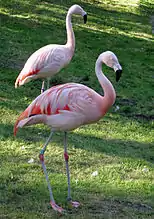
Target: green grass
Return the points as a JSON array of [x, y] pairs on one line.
[[120, 146]]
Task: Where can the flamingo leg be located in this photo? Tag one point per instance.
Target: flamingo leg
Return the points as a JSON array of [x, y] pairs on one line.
[[48, 83], [66, 156], [43, 89], [41, 156], [67, 167]]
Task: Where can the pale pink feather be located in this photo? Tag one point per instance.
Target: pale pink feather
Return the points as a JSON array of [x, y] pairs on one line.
[[45, 62], [80, 102]]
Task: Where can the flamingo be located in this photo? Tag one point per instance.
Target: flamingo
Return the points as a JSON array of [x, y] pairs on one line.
[[50, 59], [66, 107]]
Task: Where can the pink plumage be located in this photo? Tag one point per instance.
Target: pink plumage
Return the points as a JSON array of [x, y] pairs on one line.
[[63, 107]]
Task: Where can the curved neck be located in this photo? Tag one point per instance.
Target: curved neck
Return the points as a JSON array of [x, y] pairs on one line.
[[109, 92], [70, 34]]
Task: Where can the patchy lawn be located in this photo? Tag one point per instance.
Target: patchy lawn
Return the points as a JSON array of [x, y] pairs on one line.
[[120, 147]]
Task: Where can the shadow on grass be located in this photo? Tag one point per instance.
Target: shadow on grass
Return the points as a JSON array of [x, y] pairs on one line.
[[114, 147], [32, 196], [146, 7], [33, 33], [74, 72], [21, 36], [34, 199]]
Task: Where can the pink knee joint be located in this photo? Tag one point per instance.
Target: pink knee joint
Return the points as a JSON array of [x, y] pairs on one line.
[[41, 156], [66, 156]]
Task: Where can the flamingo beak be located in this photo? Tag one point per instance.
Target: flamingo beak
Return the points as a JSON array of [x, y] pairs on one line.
[[118, 74], [85, 18]]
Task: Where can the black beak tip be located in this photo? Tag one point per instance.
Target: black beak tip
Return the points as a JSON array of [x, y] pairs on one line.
[[118, 74], [85, 18]]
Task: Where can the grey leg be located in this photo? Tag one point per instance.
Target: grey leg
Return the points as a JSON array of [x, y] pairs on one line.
[[43, 89], [72, 203], [67, 167], [48, 83], [41, 156]]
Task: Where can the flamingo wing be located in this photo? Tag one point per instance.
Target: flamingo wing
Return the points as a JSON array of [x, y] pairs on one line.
[[45, 62], [64, 106]]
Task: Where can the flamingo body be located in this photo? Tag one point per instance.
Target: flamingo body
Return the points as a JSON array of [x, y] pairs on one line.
[[64, 107], [45, 62]]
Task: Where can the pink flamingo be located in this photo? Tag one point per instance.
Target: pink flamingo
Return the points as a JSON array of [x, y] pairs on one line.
[[50, 59], [68, 106]]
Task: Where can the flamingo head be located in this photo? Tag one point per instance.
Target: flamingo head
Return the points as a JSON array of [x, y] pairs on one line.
[[76, 9], [111, 60]]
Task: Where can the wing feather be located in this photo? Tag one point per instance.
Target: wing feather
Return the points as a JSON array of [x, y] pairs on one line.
[[70, 98], [46, 61]]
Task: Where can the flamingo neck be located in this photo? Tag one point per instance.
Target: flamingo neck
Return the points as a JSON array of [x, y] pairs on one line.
[[70, 33], [109, 92]]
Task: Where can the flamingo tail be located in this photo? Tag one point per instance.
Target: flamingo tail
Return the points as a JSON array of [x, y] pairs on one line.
[[17, 83], [23, 120], [22, 116]]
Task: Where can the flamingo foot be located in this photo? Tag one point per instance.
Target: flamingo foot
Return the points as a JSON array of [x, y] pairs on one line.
[[74, 204], [57, 208]]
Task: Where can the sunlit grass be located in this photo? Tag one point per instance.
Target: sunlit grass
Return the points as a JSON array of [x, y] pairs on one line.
[[119, 148]]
